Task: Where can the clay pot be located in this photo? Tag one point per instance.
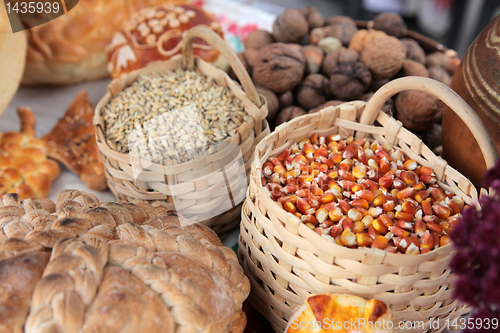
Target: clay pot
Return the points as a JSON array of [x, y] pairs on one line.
[[477, 81]]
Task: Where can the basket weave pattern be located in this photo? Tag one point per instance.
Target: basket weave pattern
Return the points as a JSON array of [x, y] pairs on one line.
[[201, 183], [286, 261]]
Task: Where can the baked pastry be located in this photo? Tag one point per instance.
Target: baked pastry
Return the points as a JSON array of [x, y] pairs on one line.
[[24, 166], [71, 48], [72, 142], [328, 313], [114, 267], [12, 59], [155, 34]]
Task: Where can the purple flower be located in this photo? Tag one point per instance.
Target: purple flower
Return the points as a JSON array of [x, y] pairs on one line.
[[477, 260]]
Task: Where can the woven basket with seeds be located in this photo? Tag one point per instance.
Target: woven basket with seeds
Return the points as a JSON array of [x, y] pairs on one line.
[[183, 132], [286, 260]]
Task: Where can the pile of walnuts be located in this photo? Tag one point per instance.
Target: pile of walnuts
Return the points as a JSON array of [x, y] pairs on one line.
[[307, 63]]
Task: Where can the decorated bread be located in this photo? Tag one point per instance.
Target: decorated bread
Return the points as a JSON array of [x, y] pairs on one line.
[[328, 313], [71, 48], [155, 34], [24, 166], [82, 266], [72, 142]]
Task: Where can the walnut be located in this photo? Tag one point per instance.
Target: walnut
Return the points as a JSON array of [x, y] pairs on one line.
[[390, 23], [432, 137], [314, 58], [413, 50], [440, 74], [272, 101], [314, 18], [278, 67], [350, 80], [333, 58], [312, 91], [414, 68], [343, 31], [388, 106], [285, 99], [257, 39], [327, 104], [384, 57], [288, 114], [361, 38], [290, 26], [332, 20], [418, 110]]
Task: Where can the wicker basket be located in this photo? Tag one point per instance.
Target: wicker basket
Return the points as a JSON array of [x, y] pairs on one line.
[[199, 185], [285, 260]]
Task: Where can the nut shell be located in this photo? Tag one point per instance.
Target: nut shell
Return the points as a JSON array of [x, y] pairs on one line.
[[327, 104], [314, 18], [418, 110], [312, 91], [285, 99], [413, 50], [343, 32], [272, 101], [314, 56], [350, 80], [290, 26], [289, 113], [390, 23], [333, 58], [414, 68], [361, 38], [440, 74], [278, 67], [384, 57], [332, 20], [257, 39]]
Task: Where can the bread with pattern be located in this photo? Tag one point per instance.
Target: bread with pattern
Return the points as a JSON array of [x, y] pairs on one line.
[[71, 48], [24, 166], [114, 267]]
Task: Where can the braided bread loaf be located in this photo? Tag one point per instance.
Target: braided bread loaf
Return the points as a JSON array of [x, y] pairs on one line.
[[81, 266]]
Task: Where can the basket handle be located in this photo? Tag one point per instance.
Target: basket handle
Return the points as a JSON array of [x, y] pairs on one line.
[[444, 93], [223, 47]]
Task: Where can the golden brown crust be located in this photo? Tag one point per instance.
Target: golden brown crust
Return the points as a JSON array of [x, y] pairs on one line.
[[71, 48], [171, 277], [18, 277], [24, 166], [72, 142]]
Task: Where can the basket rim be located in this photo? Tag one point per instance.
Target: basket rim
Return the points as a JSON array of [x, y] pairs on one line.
[[268, 202]]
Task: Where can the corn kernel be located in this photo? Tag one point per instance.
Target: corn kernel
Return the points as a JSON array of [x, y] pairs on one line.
[[380, 242]]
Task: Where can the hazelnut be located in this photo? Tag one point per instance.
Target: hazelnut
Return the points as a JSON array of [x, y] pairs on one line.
[[413, 50], [361, 38], [288, 114], [314, 58], [257, 39], [330, 44], [440, 74], [325, 105], [390, 23], [332, 20], [314, 18], [388, 106], [343, 32], [290, 26], [312, 90], [285, 99], [350, 80], [278, 67], [272, 101], [414, 68], [333, 58], [384, 57], [418, 110], [377, 84]]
